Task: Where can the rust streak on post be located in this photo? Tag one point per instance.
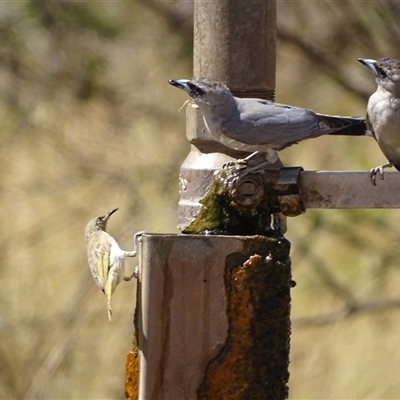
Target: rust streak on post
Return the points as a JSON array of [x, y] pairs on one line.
[[132, 375]]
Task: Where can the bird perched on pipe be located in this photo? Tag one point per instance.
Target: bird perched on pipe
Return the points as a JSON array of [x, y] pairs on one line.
[[383, 111], [253, 125], [106, 259]]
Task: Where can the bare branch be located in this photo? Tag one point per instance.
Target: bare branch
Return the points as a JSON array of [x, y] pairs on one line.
[[324, 59], [348, 311]]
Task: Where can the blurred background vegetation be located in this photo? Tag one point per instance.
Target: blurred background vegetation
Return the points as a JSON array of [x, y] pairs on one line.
[[89, 122]]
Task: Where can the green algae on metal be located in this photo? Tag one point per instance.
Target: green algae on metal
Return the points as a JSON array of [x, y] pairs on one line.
[[220, 214]]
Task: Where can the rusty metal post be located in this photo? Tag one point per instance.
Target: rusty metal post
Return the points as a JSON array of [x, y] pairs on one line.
[[214, 320], [213, 310]]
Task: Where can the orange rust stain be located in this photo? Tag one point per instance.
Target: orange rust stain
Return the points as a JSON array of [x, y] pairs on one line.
[[132, 376], [229, 376], [253, 364]]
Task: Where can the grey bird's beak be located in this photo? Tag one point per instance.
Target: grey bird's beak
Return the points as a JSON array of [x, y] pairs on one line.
[[111, 212], [369, 63], [181, 84]]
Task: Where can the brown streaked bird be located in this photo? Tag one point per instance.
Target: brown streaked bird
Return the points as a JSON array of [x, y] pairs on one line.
[[383, 111], [106, 259], [257, 125]]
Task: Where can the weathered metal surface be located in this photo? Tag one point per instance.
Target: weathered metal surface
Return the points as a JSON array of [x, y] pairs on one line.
[[349, 189], [182, 312], [213, 317], [235, 42]]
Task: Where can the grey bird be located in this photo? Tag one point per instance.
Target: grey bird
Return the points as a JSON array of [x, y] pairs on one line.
[[106, 259], [257, 125], [383, 111]]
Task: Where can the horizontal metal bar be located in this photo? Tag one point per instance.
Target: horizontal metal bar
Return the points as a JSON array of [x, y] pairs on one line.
[[350, 189]]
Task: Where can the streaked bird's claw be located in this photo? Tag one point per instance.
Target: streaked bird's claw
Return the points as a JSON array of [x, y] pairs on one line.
[[137, 237], [135, 274]]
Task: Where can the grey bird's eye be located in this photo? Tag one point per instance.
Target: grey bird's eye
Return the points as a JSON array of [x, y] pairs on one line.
[[381, 72], [195, 89]]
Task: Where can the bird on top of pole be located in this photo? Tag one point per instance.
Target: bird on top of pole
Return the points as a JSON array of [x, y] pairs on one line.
[[383, 111], [258, 125], [106, 259]]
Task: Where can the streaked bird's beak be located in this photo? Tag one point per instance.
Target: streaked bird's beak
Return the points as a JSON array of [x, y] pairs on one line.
[[369, 63], [111, 212]]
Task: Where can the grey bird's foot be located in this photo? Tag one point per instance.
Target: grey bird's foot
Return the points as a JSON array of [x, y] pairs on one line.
[[238, 164], [379, 170], [241, 163]]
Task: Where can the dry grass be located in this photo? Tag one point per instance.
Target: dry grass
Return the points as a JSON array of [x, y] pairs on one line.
[[88, 123]]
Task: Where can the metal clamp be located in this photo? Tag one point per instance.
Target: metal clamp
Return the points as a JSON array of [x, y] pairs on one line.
[[253, 186]]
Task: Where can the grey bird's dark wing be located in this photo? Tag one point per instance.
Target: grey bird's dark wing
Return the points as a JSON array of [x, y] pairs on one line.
[[268, 123], [348, 126]]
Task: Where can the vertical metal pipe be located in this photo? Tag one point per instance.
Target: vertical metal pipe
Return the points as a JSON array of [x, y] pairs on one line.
[[234, 41]]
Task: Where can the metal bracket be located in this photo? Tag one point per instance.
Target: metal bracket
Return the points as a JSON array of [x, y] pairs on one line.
[[251, 186]]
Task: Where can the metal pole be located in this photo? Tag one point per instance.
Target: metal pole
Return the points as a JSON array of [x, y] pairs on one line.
[[234, 41], [213, 311]]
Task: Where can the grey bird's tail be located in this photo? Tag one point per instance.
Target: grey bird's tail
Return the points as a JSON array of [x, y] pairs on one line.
[[346, 126]]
